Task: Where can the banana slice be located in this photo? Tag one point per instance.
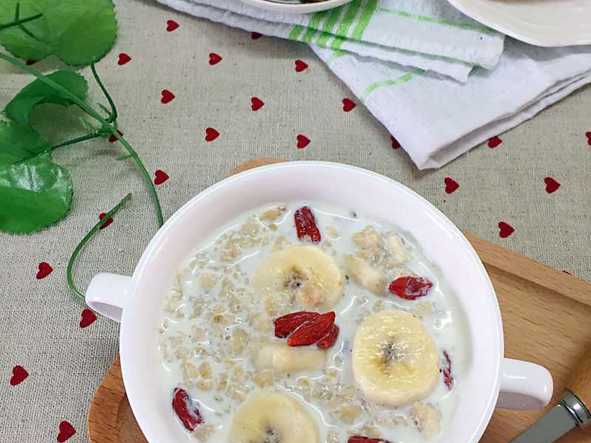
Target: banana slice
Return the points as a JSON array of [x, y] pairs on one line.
[[395, 360], [271, 417], [426, 418], [286, 359], [397, 250], [365, 275], [301, 273], [388, 250], [369, 241]]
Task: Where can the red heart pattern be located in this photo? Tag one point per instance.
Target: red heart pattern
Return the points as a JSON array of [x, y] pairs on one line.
[[87, 317], [211, 134], [451, 185], [66, 430], [171, 25], [348, 105], [552, 184], [494, 142], [107, 222], [505, 229], [160, 177], [300, 65], [302, 141], [395, 143], [166, 96], [123, 59], [214, 58], [256, 103], [19, 374], [43, 270], [114, 137]]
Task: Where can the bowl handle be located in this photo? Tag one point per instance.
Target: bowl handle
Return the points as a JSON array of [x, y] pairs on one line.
[[524, 385], [107, 294]]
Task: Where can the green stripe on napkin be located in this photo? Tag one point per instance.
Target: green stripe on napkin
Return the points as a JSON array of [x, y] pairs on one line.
[[368, 11], [427, 19], [329, 25], [391, 82], [295, 33], [321, 26], [345, 24], [313, 25]]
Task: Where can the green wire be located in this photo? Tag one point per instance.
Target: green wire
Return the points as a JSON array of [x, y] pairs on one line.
[[56, 86], [113, 113], [136, 158], [85, 240], [106, 125]]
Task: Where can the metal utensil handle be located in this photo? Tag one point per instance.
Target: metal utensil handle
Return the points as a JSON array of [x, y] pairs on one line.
[[579, 388], [577, 409]]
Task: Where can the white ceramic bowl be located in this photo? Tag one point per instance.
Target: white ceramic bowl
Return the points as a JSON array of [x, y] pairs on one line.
[[537, 22], [136, 301], [303, 8]]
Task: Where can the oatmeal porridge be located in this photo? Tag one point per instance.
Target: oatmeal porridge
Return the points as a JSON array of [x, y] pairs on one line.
[[305, 323]]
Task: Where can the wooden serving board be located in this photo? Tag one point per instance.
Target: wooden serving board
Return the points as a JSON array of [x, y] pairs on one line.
[[546, 316]]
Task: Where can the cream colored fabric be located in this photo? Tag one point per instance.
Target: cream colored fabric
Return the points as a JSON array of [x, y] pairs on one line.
[[39, 318]]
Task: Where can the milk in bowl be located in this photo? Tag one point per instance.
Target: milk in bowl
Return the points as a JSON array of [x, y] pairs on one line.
[[299, 322]]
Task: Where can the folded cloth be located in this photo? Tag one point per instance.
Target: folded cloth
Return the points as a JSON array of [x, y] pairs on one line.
[[437, 119], [427, 34]]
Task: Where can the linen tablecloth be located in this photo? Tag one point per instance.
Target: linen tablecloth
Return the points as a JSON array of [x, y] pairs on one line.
[[40, 319]]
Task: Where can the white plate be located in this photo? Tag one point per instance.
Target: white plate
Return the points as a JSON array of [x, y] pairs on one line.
[[303, 8], [539, 22]]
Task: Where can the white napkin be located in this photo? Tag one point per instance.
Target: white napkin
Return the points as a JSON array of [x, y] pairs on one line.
[[426, 34], [437, 119]]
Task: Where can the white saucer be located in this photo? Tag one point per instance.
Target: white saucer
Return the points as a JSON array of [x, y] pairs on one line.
[[539, 22], [303, 8]]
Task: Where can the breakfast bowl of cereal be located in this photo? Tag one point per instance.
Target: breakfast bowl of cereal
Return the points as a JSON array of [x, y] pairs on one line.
[[312, 302]]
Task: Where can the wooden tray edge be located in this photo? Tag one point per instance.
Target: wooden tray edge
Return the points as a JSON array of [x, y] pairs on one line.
[[528, 269], [105, 404]]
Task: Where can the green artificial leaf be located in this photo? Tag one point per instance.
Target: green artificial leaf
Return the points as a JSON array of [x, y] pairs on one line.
[[34, 191], [18, 42], [80, 32], [19, 143], [35, 93], [34, 194], [88, 35]]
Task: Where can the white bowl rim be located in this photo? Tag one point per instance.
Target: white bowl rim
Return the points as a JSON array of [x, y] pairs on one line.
[[134, 389], [304, 8], [521, 20]]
